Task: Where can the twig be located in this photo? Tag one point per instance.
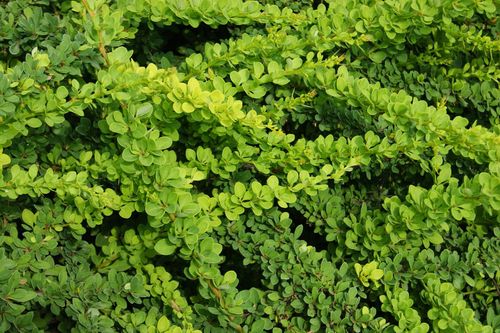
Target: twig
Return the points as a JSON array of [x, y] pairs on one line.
[[100, 46]]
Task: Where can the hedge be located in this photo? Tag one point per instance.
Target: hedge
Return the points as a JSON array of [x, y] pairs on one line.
[[249, 166]]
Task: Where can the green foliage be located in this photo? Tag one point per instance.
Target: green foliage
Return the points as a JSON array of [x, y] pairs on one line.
[[313, 166]]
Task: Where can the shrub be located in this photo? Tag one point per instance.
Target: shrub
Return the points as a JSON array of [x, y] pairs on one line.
[[230, 165]]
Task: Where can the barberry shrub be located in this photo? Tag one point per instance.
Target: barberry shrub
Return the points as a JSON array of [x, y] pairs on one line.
[[231, 165]]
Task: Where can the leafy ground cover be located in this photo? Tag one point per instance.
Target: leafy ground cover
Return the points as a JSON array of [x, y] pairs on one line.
[[249, 166]]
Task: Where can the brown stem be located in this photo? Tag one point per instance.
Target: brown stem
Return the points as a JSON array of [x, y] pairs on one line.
[[215, 291], [175, 306], [218, 295], [101, 47]]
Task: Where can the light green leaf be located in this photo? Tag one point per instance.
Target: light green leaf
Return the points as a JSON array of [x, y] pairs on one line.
[[258, 69], [28, 217], [153, 209], [22, 295], [4, 159], [62, 92], [144, 110], [239, 189], [164, 248], [163, 324], [34, 122], [376, 274]]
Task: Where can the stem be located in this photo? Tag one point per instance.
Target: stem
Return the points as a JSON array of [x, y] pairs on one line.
[[218, 295], [101, 47]]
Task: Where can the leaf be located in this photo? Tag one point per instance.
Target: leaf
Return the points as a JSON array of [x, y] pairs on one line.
[[235, 77], [358, 268], [258, 326], [436, 238], [62, 92], [42, 59], [163, 143], [22, 295], [288, 197], [257, 92], [163, 324], [116, 123], [4, 159], [273, 67], [327, 169], [144, 110], [239, 189], [298, 231], [294, 63], [230, 277], [378, 56], [28, 217], [281, 81], [456, 213], [34, 122], [164, 248], [119, 55], [444, 174], [256, 187], [273, 182], [127, 210], [376, 274], [128, 156], [341, 85], [153, 209], [292, 177], [442, 324], [187, 107], [258, 69]]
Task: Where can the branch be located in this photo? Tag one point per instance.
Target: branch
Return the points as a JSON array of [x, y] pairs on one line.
[[100, 46]]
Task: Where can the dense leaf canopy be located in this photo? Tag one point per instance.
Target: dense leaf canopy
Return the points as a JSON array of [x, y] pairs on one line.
[[250, 166]]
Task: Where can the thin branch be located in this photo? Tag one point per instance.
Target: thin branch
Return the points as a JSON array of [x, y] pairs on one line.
[[100, 46]]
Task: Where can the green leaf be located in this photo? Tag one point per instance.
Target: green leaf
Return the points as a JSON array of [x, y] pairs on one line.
[[127, 210], [435, 238], [257, 92], [163, 324], [144, 109], [444, 174], [292, 177], [34, 122], [153, 209], [378, 56], [62, 92], [22, 295], [230, 277], [239, 189], [28, 217], [164, 248], [258, 326], [273, 67], [4, 159], [274, 297], [119, 55], [187, 107], [376, 274], [358, 268], [42, 59], [116, 123], [258, 69], [442, 324], [273, 182], [456, 213], [281, 81], [163, 143]]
